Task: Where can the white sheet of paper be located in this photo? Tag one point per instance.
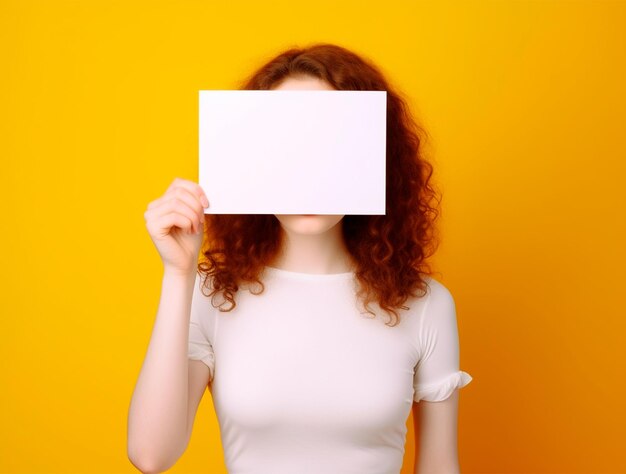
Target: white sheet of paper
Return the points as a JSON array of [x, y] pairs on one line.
[[293, 151]]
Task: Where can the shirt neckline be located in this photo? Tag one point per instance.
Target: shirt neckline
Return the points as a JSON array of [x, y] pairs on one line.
[[308, 276]]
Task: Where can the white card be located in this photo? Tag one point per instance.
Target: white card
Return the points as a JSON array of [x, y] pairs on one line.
[[293, 151]]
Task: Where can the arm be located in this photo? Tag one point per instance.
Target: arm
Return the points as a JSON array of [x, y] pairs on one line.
[[437, 382], [169, 387], [436, 447]]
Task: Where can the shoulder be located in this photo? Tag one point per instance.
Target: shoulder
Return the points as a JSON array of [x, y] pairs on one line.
[[202, 288], [438, 294], [431, 305], [439, 306], [203, 280], [203, 313]]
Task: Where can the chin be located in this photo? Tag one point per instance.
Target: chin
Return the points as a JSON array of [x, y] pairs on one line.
[[310, 224]]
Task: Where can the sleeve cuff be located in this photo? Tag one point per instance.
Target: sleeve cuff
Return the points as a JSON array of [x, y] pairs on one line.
[[442, 389], [208, 359]]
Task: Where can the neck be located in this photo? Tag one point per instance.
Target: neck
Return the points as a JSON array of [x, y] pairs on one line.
[[314, 253]]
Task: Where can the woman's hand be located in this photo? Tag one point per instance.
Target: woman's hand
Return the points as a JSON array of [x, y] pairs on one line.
[[175, 222]]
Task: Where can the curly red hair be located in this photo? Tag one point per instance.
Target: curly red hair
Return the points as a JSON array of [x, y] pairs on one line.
[[390, 250]]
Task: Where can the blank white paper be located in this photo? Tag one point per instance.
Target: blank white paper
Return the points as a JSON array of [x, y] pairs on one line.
[[293, 151]]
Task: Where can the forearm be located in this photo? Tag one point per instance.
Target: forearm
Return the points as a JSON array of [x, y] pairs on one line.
[[157, 419], [446, 466]]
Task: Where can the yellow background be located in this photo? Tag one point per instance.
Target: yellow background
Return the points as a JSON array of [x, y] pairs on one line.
[[525, 106]]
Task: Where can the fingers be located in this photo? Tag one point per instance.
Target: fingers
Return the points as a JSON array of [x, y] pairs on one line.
[[193, 188], [161, 224], [190, 186], [185, 198], [181, 203]]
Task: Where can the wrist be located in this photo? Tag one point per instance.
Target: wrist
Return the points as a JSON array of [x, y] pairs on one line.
[[179, 274]]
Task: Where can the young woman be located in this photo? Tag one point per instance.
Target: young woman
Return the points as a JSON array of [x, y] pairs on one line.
[[316, 334]]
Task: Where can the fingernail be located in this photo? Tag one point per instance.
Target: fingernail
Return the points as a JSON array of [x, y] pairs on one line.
[[205, 201]]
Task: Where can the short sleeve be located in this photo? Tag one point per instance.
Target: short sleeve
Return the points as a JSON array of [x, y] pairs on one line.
[[201, 323], [437, 372]]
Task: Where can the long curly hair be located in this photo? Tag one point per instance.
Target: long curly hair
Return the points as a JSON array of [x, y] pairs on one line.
[[390, 250]]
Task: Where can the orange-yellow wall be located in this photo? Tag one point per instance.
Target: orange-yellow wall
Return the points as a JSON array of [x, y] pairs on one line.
[[525, 105]]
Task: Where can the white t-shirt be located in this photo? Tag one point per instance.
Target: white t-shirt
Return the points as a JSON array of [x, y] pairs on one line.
[[303, 382]]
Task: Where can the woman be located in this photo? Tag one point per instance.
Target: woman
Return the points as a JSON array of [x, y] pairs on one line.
[[321, 332]]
